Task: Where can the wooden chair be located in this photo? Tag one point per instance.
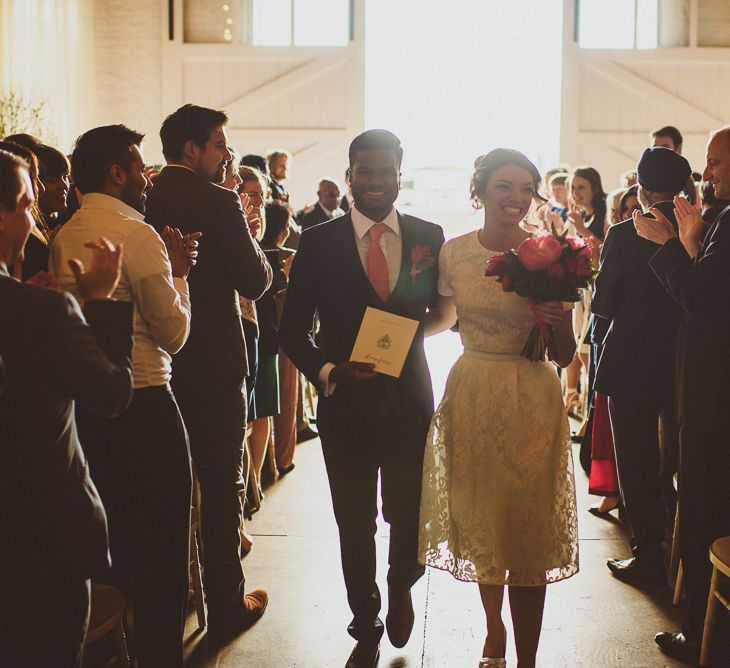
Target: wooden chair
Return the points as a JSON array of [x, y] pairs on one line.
[[720, 559], [108, 611]]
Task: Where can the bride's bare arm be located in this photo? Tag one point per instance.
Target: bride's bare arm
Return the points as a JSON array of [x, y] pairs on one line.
[[441, 318]]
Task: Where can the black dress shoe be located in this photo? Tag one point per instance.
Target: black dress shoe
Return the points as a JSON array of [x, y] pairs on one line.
[[399, 622], [307, 434], [677, 644], [364, 655], [633, 571]]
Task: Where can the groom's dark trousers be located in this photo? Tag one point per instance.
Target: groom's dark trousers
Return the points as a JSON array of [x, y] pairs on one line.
[[376, 427]]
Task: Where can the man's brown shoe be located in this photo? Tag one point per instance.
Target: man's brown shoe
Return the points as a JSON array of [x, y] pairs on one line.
[[240, 618], [399, 621], [364, 655]]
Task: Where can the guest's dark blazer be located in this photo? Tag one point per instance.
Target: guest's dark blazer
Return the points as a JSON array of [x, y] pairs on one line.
[[637, 362], [701, 287], [327, 277], [51, 516], [230, 263], [314, 217]]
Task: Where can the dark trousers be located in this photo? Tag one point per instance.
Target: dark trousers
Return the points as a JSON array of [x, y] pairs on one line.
[[644, 470], [140, 464], [704, 510], [215, 416], [353, 455], [43, 620]]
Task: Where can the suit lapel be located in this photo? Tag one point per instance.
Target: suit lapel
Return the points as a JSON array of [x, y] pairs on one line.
[[406, 236]]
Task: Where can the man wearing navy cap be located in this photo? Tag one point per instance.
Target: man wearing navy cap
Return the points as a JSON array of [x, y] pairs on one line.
[[695, 270], [636, 369]]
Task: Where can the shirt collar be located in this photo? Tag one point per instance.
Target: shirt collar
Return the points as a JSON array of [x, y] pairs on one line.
[[362, 223], [4, 270], [325, 209], [102, 201]]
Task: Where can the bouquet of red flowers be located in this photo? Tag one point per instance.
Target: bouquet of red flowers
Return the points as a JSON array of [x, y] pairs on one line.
[[545, 267]]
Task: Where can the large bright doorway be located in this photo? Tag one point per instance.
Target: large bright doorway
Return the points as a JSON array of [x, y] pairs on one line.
[[453, 81]]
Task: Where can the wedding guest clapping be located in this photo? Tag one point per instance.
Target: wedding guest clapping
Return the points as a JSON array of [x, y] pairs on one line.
[[53, 522], [139, 460], [695, 270]]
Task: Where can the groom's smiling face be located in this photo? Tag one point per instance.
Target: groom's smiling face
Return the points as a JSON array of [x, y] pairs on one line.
[[375, 181]]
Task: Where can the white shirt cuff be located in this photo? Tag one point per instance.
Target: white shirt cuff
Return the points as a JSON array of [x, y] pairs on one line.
[[328, 388]]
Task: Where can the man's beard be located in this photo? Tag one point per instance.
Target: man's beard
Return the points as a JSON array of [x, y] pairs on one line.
[[220, 174]]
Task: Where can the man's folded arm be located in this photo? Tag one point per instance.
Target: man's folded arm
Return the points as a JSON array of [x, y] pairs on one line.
[[92, 353]]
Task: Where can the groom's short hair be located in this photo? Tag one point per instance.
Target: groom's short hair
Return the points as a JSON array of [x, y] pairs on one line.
[[376, 139]]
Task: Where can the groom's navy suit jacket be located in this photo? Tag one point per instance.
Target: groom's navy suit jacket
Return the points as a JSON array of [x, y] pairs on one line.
[[327, 277]]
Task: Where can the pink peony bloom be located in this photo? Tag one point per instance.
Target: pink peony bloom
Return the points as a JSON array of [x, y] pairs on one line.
[[539, 252], [576, 243]]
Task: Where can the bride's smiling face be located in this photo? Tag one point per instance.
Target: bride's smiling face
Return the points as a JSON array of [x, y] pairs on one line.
[[508, 195]]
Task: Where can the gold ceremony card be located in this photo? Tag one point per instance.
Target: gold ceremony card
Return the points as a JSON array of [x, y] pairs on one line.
[[384, 340]]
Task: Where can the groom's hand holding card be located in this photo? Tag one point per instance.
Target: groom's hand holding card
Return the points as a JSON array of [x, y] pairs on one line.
[[384, 340]]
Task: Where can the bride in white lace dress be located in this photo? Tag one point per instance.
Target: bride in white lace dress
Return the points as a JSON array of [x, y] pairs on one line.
[[498, 501]]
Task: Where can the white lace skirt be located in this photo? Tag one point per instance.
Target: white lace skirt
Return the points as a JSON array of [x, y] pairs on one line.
[[498, 501]]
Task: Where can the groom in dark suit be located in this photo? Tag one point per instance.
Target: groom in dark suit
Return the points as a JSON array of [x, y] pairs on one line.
[[369, 423]]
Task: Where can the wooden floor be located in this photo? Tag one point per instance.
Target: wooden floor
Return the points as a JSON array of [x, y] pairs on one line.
[[591, 620]]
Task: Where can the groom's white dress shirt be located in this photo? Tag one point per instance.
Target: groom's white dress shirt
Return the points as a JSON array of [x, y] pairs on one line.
[[391, 244]]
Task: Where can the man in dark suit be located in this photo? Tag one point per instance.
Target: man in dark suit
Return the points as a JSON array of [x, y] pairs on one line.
[[53, 524], [696, 274], [208, 374], [636, 369], [327, 206], [369, 423]]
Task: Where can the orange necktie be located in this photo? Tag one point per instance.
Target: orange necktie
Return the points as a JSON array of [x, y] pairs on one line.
[[377, 265]]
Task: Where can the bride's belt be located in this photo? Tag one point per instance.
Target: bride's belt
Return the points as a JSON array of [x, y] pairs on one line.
[[493, 357]]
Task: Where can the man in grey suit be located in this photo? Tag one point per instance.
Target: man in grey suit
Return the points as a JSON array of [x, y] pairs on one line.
[[208, 374], [53, 523]]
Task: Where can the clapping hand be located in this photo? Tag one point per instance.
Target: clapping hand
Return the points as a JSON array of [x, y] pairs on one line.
[[658, 229], [553, 218], [578, 218], [252, 217], [182, 250], [43, 279], [689, 221], [100, 280]]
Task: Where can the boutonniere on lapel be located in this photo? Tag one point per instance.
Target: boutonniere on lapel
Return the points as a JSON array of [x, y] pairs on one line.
[[421, 258]]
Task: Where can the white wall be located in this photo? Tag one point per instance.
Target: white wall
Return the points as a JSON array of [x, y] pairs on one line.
[[128, 59]]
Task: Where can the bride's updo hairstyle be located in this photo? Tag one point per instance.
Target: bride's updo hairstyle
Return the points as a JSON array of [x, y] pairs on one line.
[[486, 165]]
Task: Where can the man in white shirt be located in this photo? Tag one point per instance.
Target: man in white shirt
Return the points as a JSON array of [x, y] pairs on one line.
[[139, 460]]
